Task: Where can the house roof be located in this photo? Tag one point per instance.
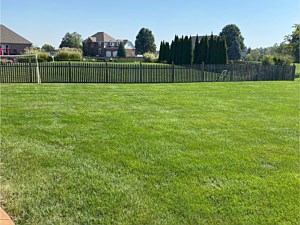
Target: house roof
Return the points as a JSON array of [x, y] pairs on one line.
[[100, 36], [8, 36]]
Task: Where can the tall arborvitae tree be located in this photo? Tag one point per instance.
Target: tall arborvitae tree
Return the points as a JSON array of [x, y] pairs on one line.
[[161, 51], [210, 49], [224, 55], [167, 52], [189, 53], [176, 50], [196, 51], [215, 51], [185, 50], [172, 52], [218, 55], [204, 49], [181, 53]]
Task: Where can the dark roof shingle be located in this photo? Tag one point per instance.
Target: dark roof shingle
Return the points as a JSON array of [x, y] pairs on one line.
[[8, 36]]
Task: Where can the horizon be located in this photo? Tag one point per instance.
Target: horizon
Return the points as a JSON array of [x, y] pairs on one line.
[[49, 21]]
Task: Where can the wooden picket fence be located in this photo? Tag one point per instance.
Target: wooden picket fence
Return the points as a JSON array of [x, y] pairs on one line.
[[74, 72]]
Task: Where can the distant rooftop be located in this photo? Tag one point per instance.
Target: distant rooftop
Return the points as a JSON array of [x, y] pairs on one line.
[[100, 36]]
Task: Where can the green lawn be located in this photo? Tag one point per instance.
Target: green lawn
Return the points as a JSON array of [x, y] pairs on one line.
[[198, 153]]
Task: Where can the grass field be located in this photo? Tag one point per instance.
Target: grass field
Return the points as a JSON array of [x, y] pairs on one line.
[[199, 153]]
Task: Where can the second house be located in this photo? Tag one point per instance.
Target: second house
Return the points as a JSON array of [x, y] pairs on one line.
[[104, 45]]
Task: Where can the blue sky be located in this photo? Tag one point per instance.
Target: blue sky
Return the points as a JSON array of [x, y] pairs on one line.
[[262, 22]]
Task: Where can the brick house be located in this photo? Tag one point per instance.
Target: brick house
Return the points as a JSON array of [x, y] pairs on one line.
[[104, 45], [11, 42]]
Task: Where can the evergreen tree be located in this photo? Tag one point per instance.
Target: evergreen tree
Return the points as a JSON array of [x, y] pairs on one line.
[[172, 51], [121, 50], [160, 51], [210, 49], [167, 52], [176, 50], [181, 53], [189, 51], [219, 58], [145, 42], [196, 50], [204, 49], [185, 50], [224, 59], [232, 33], [214, 53], [234, 52]]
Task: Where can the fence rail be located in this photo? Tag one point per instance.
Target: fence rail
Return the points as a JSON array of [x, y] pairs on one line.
[[68, 72]]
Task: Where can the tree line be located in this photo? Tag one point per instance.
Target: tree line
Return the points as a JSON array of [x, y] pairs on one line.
[[208, 50]]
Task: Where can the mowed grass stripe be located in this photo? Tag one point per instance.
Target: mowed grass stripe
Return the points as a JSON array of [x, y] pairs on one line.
[[203, 153]]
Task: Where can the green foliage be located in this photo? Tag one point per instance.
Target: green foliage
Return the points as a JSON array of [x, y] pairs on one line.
[[68, 55], [223, 51], [48, 48], [165, 54], [197, 51], [145, 42], [189, 53], [267, 60], [293, 42], [232, 34], [150, 57], [71, 40], [121, 50], [282, 59], [41, 55], [276, 60], [203, 50], [234, 51], [254, 55]]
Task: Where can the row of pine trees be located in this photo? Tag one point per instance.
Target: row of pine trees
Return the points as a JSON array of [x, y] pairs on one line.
[[211, 50]]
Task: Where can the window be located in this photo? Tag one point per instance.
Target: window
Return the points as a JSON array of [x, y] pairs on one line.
[[111, 44]]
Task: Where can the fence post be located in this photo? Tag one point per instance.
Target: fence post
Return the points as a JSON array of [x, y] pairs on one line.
[[106, 72], [202, 72], [69, 66], [173, 72], [141, 73]]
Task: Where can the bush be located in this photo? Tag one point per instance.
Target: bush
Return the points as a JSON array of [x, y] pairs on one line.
[[267, 60], [41, 55], [150, 57], [68, 55], [283, 59], [277, 60]]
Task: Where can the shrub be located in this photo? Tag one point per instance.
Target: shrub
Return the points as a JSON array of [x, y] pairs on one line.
[[150, 57], [68, 55], [282, 59], [277, 60], [267, 60], [41, 55]]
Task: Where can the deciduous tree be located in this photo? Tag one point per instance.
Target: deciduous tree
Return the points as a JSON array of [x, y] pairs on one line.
[[71, 40]]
